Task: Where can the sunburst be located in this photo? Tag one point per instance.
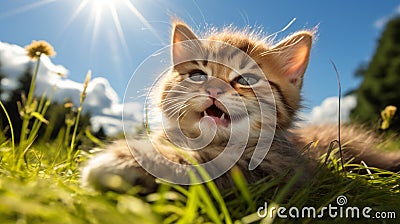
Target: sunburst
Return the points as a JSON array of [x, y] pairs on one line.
[[95, 12], [112, 7]]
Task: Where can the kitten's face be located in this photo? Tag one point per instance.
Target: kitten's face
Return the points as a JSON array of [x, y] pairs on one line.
[[232, 84]]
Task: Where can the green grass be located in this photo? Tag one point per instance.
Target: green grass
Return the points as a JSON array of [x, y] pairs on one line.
[[45, 189]]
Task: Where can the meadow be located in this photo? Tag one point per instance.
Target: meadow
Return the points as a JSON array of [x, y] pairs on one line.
[[39, 183], [45, 189]]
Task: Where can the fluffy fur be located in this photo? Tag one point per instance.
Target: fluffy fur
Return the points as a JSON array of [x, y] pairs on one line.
[[260, 78]]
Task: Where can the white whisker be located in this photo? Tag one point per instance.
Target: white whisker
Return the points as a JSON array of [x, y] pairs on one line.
[[175, 91], [184, 113], [176, 110], [175, 107]]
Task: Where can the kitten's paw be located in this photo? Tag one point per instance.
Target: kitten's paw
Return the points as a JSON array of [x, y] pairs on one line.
[[116, 170]]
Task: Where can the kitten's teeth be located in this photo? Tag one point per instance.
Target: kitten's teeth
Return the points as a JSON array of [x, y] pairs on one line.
[[205, 113], [222, 116]]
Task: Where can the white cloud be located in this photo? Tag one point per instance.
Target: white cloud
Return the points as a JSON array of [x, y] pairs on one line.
[[101, 101], [327, 112], [381, 22]]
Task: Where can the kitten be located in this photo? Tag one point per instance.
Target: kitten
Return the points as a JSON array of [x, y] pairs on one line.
[[231, 91]]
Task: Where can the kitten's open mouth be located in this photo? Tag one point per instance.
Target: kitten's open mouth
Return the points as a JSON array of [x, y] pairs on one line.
[[219, 116]]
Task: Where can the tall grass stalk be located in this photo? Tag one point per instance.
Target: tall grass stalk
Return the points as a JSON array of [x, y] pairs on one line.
[[42, 109], [11, 130], [81, 100], [69, 122]]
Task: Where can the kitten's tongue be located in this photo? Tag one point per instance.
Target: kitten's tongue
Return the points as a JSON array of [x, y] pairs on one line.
[[217, 115]]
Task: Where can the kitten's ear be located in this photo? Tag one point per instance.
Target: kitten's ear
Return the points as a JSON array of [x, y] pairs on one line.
[[183, 42], [291, 55], [182, 32]]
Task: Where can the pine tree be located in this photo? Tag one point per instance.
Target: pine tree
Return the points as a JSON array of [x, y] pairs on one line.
[[381, 78]]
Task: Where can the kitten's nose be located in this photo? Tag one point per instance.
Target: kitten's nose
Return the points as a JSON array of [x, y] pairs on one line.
[[213, 92]]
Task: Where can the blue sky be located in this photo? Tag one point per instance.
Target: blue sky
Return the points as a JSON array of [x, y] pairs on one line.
[[114, 48]]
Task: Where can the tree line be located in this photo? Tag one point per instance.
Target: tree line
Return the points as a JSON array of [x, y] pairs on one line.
[[380, 86]]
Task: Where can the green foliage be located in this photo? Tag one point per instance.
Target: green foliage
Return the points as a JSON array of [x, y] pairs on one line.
[[29, 117], [46, 190], [381, 78], [55, 114]]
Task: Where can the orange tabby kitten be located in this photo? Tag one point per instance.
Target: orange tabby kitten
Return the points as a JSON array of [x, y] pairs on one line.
[[247, 107]]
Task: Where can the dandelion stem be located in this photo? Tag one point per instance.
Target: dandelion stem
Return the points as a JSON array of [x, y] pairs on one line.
[[26, 116], [33, 81]]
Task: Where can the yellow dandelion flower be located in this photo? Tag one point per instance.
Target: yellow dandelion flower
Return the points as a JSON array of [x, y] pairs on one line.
[[36, 48], [387, 114], [68, 105], [391, 110]]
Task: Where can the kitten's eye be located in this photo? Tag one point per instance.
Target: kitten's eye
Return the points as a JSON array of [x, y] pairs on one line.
[[198, 76], [247, 79]]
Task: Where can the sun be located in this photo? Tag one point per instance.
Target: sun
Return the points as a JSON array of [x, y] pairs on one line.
[[100, 26], [102, 10], [99, 5]]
